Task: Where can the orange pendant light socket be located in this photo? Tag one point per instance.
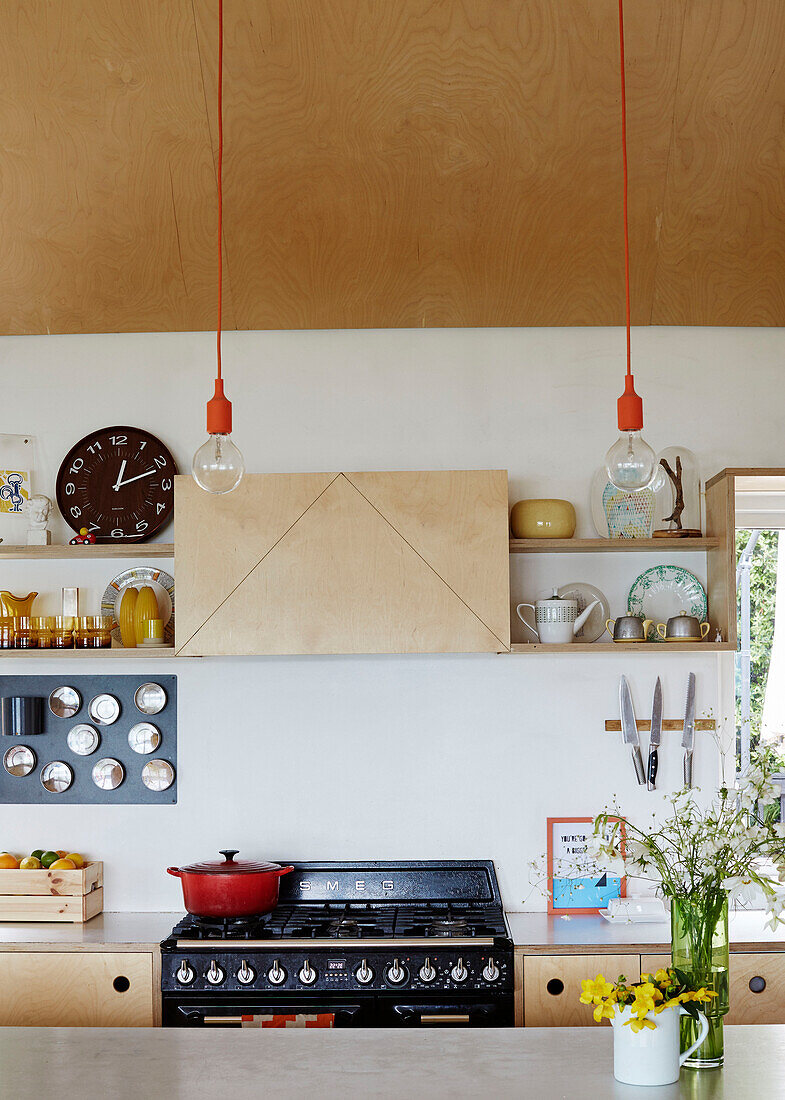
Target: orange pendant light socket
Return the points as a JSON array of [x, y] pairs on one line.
[[629, 407], [219, 411]]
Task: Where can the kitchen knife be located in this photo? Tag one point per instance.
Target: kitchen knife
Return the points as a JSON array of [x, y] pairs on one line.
[[656, 733], [688, 738], [629, 729]]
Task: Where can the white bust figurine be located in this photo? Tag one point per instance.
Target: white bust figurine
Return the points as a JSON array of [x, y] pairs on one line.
[[38, 509]]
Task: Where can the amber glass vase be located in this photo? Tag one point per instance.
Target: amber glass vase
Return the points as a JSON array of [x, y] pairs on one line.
[[699, 947]]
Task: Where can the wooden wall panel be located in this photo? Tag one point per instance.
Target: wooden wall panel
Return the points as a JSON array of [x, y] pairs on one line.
[[722, 248], [440, 163], [424, 162], [108, 214]]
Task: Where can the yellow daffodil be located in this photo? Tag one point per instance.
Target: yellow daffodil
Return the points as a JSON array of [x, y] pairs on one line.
[[639, 1023], [646, 996], [605, 1010], [592, 992]]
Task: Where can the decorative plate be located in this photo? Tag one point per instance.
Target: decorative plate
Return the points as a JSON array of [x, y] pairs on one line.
[[663, 591], [594, 627], [162, 584], [617, 514]]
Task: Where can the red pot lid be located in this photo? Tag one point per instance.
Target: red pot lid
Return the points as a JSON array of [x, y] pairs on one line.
[[229, 865]]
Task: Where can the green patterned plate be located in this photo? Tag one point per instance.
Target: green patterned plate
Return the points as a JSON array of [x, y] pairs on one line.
[[663, 591]]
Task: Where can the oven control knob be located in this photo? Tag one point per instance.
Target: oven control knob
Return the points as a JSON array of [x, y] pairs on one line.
[[276, 974], [307, 975], [185, 975], [491, 971], [363, 973], [215, 975], [246, 973], [396, 973], [459, 973], [427, 972]]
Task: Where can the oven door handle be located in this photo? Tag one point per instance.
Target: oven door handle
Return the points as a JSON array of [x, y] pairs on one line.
[[448, 1015]]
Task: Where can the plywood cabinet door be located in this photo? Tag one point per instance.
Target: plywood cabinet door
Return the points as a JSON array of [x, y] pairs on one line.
[[76, 989], [757, 985], [409, 562], [552, 986], [757, 988]]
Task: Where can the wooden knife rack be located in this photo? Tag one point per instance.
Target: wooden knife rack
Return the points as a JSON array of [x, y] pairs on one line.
[[669, 725]]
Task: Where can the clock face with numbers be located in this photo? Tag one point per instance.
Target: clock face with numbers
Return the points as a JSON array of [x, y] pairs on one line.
[[118, 483]]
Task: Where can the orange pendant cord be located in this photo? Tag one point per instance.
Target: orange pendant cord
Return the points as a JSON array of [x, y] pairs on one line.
[[219, 409], [629, 406]]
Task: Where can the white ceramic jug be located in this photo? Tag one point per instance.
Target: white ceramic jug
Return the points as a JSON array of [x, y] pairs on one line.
[[557, 621], [651, 1057]]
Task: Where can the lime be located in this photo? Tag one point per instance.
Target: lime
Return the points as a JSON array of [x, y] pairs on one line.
[[38, 853], [48, 858]]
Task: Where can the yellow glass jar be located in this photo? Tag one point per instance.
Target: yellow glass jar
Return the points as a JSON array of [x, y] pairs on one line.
[[6, 633]]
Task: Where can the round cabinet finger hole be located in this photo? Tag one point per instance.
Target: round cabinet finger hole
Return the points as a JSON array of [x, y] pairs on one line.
[[82, 739], [104, 709], [56, 777], [65, 702], [757, 984], [555, 986], [144, 738], [158, 775], [150, 698], [108, 774], [121, 984], [19, 761]]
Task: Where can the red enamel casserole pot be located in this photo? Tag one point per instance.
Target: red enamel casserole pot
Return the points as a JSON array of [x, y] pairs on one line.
[[230, 888]]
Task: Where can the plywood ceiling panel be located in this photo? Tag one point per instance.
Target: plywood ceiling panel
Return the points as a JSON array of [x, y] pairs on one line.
[[722, 249], [423, 162], [108, 188]]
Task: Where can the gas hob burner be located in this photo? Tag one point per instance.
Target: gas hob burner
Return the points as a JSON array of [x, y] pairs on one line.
[[222, 928], [450, 926], [348, 921]]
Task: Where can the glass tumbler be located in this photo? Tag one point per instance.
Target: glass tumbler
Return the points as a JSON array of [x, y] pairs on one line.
[[62, 631], [42, 629], [24, 635]]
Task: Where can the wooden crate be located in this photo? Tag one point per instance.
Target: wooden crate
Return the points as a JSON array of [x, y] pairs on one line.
[[44, 895]]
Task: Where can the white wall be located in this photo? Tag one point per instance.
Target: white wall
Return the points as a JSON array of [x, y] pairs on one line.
[[379, 757]]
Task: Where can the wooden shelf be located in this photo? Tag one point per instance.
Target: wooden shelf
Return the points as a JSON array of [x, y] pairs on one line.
[[591, 546], [102, 550], [85, 654], [615, 647]]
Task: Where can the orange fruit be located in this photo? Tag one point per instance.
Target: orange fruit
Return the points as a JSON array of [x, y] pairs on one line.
[[62, 854], [29, 863], [63, 865], [76, 859], [7, 861]]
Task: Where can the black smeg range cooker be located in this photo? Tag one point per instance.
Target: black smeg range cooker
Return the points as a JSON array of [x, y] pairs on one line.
[[351, 945]]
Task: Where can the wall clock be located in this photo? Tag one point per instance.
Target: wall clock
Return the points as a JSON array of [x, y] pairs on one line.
[[118, 483]]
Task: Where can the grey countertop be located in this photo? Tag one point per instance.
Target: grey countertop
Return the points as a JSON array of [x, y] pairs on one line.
[[117, 930], [541, 1063], [537, 933], [540, 933]]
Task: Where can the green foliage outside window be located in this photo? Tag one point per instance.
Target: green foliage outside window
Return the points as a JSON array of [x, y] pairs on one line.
[[763, 594]]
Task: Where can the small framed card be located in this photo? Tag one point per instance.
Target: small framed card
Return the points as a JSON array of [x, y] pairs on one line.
[[576, 883]]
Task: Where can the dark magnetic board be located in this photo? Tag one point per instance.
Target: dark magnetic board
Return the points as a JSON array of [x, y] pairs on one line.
[[51, 744]]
